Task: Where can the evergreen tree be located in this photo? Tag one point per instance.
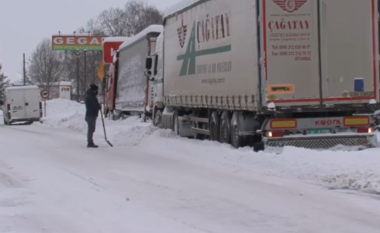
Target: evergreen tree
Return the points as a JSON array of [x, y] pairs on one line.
[[4, 82]]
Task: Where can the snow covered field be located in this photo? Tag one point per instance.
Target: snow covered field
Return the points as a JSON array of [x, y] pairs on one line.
[[152, 181]]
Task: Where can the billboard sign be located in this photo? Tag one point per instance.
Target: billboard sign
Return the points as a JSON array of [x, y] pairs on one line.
[[109, 50], [77, 43], [65, 92]]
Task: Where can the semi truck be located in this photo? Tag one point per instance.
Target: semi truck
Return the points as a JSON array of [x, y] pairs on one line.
[[110, 47], [129, 90], [266, 73]]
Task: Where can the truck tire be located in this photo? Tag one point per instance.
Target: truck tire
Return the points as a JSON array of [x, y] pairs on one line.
[[214, 123], [236, 139], [175, 123], [158, 118], [197, 135], [225, 128]]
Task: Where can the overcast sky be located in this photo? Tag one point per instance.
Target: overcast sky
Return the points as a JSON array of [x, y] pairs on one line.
[[24, 23]]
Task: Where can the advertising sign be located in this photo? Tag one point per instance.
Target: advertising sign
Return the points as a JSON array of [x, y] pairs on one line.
[[65, 92], [109, 50], [77, 43]]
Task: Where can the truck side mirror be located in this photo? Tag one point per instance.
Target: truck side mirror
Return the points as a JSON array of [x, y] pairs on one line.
[[155, 64], [148, 63], [148, 73]]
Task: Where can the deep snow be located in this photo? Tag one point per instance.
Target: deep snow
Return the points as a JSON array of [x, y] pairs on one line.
[[153, 181], [356, 170]]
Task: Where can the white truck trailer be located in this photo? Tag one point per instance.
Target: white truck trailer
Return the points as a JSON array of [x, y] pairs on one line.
[[269, 72], [133, 88]]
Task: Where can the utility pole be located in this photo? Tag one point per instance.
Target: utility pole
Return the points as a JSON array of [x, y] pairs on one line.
[[24, 68], [78, 92], [85, 69]]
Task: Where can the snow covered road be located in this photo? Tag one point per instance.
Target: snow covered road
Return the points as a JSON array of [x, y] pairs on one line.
[[151, 183], [50, 183]]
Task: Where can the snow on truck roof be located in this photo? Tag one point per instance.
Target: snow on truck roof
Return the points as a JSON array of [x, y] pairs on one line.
[[130, 40], [180, 6], [22, 88], [115, 39]]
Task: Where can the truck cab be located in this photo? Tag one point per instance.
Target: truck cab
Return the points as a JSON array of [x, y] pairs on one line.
[[111, 83], [154, 66]]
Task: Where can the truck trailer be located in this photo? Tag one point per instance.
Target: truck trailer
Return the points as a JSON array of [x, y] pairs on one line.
[[263, 73], [129, 90], [110, 47]]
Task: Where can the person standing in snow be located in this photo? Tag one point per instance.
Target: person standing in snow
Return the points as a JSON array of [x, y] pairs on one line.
[[92, 113]]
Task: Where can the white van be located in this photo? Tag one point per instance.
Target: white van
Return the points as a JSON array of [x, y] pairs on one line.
[[21, 104]]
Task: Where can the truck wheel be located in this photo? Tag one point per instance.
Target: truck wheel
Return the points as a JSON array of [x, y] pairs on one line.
[[195, 134], [225, 128], [214, 126], [236, 139], [158, 118], [175, 123]]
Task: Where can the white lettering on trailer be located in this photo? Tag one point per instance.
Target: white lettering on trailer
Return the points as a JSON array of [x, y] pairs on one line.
[[328, 122]]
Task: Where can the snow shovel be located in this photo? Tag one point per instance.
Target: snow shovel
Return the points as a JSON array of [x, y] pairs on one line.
[[104, 129]]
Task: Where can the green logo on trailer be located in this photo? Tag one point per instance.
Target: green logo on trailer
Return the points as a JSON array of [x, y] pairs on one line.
[[189, 57]]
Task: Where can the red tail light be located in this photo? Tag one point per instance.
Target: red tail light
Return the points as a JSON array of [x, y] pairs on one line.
[[9, 111], [40, 109], [364, 130], [273, 134]]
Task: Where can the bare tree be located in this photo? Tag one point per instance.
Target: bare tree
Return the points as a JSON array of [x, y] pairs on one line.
[[112, 22], [129, 21], [139, 15], [4, 82], [136, 16], [20, 72], [84, 63], [45, 65]]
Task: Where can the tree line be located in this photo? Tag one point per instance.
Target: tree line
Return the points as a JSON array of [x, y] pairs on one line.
[[47, 67], [4, 82]]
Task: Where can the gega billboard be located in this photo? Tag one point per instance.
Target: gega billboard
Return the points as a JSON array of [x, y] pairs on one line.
[[109, 50], [75, 43]]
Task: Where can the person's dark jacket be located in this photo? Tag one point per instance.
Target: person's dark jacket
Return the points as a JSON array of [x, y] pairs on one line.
[[92, 104]]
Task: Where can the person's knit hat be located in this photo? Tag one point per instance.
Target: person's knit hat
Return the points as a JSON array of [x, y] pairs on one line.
[[94, 87]]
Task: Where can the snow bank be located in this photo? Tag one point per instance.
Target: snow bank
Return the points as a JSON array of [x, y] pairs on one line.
[[66, 114], [355, 170]]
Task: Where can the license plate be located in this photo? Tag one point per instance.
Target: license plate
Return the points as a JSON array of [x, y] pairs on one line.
[[318, 131]]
